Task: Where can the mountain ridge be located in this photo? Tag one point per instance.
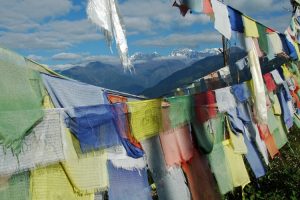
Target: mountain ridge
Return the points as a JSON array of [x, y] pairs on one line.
[[149, 70]]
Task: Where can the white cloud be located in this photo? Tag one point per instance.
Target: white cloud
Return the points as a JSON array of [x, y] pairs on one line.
[[21, 15], [187, 40], [155, 16], [66, 56], [53, 35], [135, 23], [35, 25]]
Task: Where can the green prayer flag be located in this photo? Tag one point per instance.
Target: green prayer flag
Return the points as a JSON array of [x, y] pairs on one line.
[[181, 110], [20, 103], [280, 135], [276, 126], [262, 40], [220, 168], [209, 132]]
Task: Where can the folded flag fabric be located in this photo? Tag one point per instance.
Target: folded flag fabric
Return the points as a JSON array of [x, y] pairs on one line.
[[51, 183], [132, 150], [128, 184], [237, 141], [20, 104], [43, 146], [17, 187], [236, 125], [86, 174], [68, 94], [121, 109], [145, 118], [132, 146], [177, 145], [120, 99], [96, 127], [170, 184]]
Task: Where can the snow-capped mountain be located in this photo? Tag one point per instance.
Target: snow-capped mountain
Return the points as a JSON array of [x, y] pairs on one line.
[[186, 55], [143, 56], [194, 55]]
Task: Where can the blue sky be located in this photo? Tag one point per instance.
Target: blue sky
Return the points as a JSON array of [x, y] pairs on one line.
[[58, 33]]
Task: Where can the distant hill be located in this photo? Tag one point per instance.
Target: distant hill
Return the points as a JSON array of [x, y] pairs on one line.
[[150, 69]]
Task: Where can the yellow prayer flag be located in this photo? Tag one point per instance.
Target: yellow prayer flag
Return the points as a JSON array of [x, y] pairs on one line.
[[250, 27], [51, 183], [286, 72], [145, 118], [87, 174], [276, 106], [236, 165]]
